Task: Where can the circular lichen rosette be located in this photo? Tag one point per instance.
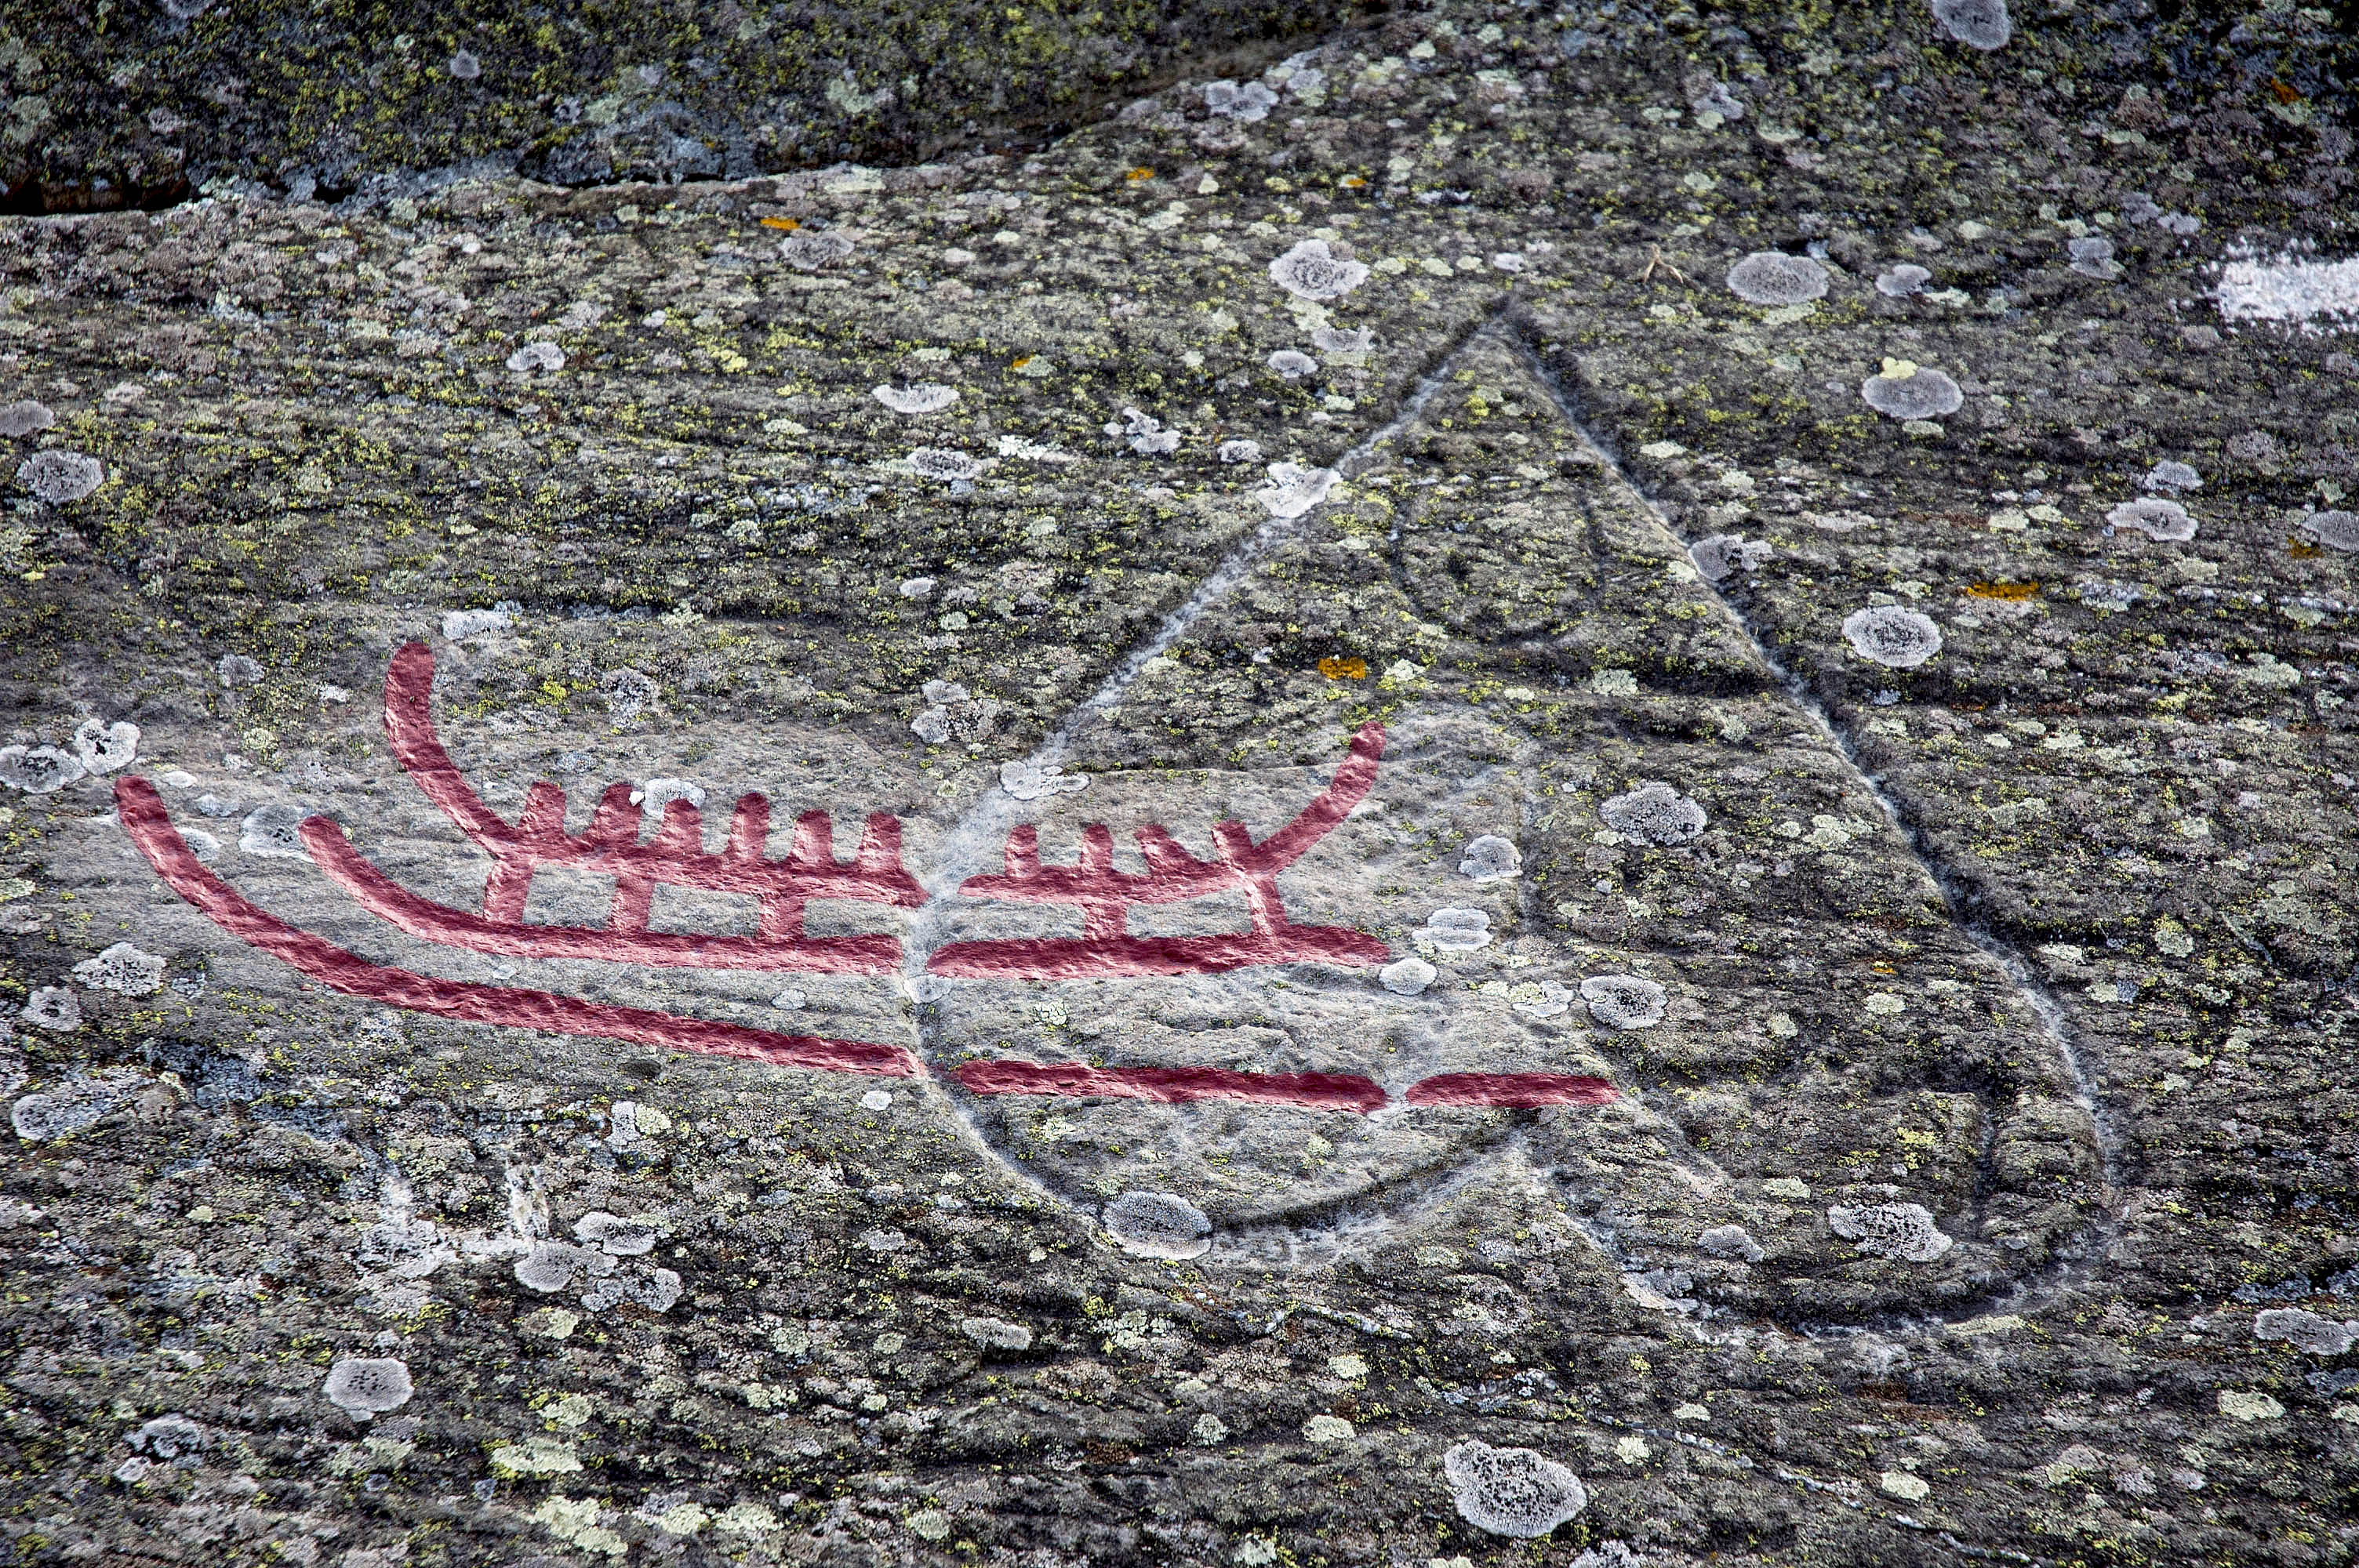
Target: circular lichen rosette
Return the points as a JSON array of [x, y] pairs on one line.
[[1775, 278], [1910, 392]]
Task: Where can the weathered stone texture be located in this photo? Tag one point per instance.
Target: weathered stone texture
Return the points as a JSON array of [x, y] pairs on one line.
[[1948, 869]]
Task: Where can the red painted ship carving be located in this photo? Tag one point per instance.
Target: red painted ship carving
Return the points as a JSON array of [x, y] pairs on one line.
[[675, 855]]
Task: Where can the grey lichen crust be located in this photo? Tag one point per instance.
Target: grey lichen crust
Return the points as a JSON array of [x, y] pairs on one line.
[[1844, 518]]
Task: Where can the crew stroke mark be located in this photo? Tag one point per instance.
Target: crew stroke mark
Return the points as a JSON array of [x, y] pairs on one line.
[[1105, 894]]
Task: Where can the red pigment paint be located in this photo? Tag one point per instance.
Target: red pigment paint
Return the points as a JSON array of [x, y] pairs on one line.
[[1511, 1090], [150, 827], [611, 844], [1176, 1085], [1105, 894]]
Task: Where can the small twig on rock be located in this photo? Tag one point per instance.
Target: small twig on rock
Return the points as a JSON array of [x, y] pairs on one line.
[[1655, 259]]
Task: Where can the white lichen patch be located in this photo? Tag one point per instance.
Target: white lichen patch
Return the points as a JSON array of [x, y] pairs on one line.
[[2335, 530], [1890, 635], [550, 1266], [1406, 976], [1514, 1492], [1775, 278], [24, 417], [368, 1386], [124, 970], [920, 398], [53, 1008], [1654, 813], [615, 1235], [2155, 518], [1249, 103], [2297, 292], [2306, 1331], [1310, 271], [654, 1289], [80, 1101], [458, 625], [1720, 557], [1158, 1224], [946, 465], [57, 476], [1491, 858], [1731, 1241], [997, 1333], [272, 833], [1903, 390], [104, 747], [38, 770], [1904, 279], [171, 1434], [808, 250], [1977, 24], [1455, 929], [1030, 778], [1904, 1231], [1624, 1001], [1293, 490]]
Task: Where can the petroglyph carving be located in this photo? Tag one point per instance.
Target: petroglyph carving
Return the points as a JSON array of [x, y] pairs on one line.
[[674, 854]]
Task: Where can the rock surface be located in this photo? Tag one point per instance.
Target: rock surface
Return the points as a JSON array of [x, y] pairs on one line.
[[1431, 839]]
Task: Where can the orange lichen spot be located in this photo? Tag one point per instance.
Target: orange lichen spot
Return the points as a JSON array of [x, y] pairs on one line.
[[2301, 549], [1137, 174], [780, 223], [1020, 364], [1343, 668], [2282, 92], [1884, 969], [2012, 591], [1353, 182]]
